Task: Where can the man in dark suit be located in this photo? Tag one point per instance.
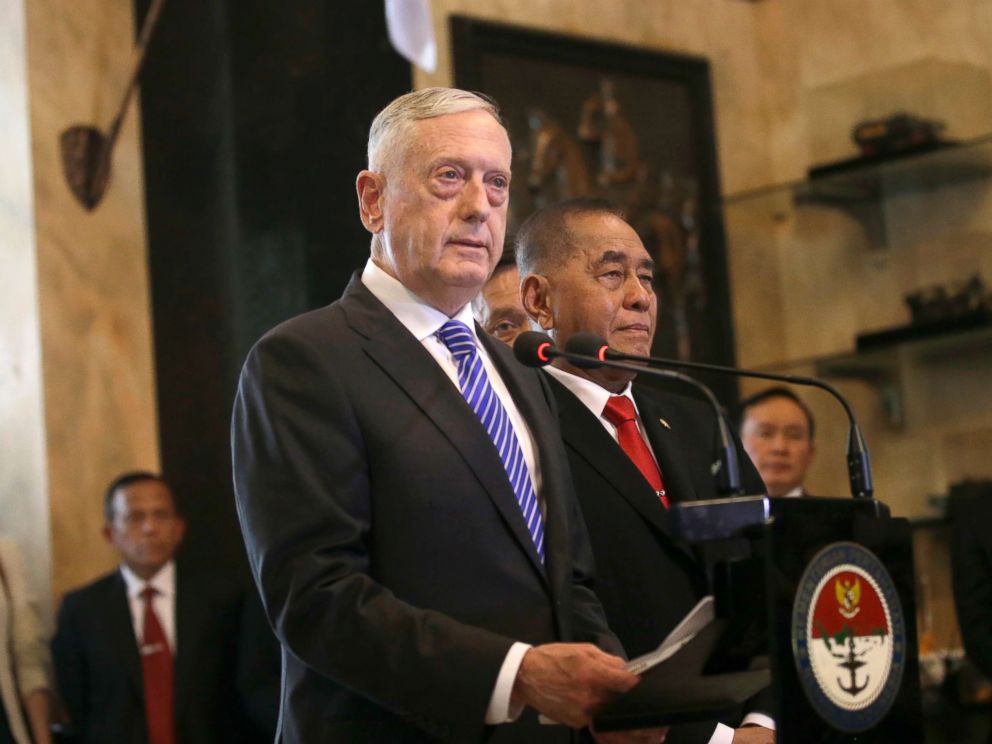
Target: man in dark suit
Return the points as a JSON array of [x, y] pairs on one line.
[[400, 480], [632, 453], [149, 653]]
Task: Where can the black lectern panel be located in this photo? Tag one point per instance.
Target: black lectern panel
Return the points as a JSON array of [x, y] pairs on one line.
[[842, 623]]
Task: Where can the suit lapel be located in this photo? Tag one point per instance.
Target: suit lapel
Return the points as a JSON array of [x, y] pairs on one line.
[[121, 630], [390, 345], [584, 433], [665, 444], [671, 458]]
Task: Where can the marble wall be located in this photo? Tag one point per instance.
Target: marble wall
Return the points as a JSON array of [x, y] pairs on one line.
[[23, 495], [94, 310]]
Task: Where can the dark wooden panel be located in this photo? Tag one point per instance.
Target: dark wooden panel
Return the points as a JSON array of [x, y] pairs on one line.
[[254, 121]]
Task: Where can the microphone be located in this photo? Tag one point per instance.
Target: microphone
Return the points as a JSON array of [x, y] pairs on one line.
[[858, 460], [535, 349]]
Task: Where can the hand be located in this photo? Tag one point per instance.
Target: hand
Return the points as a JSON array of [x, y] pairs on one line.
[[568, 682], [754, 735], [639, 736]]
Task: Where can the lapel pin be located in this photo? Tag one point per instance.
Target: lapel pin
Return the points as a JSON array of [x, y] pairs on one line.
[[664, 423]]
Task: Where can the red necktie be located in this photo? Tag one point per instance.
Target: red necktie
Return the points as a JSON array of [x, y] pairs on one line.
[[156, 671], [619, 411]]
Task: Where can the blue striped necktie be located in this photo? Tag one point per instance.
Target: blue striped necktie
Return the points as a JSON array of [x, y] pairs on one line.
[[474, 384]]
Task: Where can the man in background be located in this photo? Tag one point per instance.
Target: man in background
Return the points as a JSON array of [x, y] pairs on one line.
[[777, 429], [150, 652], [633, 452], [497, 308]]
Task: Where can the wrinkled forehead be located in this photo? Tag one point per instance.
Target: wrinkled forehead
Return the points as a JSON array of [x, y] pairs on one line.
[[468, 135], [598, 238]]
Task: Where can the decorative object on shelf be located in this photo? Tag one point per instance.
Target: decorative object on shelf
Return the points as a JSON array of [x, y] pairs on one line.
[[938, 302], [899, 132], [634, 126], [937, 310]]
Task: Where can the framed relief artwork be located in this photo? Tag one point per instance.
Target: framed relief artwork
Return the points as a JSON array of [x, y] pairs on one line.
[[631, 125]]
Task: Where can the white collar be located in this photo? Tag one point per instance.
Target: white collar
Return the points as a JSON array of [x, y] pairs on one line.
[[164, 582], [593, 395], [418, 317]]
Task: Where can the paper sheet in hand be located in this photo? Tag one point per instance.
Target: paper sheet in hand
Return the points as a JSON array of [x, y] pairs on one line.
[[698, 618]]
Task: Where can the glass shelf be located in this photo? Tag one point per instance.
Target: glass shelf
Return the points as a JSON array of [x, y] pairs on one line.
[[972, 339], [882, 366], [871, 179]]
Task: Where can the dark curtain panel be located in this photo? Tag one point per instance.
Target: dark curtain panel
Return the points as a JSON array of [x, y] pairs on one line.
[[254, 123]]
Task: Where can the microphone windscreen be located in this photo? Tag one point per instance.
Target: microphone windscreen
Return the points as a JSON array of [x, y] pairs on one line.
[[587, 344], [531, 348]]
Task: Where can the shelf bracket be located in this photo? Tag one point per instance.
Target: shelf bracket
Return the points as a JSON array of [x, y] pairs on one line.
[[885, 380]]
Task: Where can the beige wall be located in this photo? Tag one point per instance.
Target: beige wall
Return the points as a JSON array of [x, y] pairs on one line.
[[94, 310]]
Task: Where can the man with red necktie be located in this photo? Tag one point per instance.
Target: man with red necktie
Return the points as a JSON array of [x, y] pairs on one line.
[[151, 653], [632, 453]]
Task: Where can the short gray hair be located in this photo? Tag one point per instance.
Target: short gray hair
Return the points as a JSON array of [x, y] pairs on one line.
[[392, 124]]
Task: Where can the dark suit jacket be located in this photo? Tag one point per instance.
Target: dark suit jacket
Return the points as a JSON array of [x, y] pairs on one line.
[[98, 668], [970, 512], [646, 580], [392, 556]]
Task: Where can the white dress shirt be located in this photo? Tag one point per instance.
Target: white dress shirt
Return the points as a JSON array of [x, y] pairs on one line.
[[594, 397], [423, 321], [164, 602]]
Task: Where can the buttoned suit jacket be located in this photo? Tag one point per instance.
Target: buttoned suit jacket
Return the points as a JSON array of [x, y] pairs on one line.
[[390, 550], [647, 580], [98, 667]]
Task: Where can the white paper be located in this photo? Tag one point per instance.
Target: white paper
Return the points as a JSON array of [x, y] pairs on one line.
[[698, 618]]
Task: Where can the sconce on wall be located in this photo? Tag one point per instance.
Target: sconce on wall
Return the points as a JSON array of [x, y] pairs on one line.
[[86, 151]]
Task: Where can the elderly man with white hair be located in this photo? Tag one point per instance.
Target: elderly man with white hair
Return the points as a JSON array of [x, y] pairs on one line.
[[400, 480]]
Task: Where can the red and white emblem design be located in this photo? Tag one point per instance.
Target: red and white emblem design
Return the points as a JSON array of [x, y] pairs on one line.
[[850, 638]]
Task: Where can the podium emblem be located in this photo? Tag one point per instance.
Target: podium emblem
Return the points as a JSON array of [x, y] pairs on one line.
[[848, 637]]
